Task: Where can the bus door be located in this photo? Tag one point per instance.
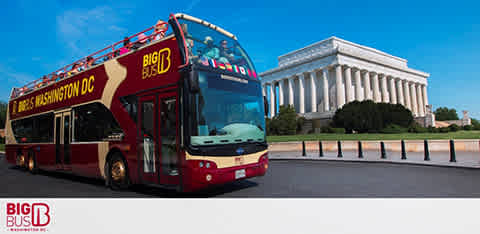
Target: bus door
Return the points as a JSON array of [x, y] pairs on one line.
[[157, 141], [63, 123]]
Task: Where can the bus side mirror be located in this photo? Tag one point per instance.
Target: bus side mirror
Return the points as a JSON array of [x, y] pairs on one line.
[[193, 82], [265, 105]]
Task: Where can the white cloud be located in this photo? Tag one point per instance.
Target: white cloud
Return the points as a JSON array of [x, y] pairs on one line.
[[15, 77], [192, 5], [83, 30]]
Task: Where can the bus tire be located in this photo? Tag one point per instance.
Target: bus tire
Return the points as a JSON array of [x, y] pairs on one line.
[[118, 176], [32, 163], [21, 161]]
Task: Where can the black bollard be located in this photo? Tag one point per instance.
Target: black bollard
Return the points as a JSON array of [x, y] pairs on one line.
[[360, 150], [426, 151], [320, 149], [452, 152], [340, 154], [404, 153], [304, 153], [382, 150]]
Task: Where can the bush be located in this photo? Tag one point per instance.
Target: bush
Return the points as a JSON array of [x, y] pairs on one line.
[[326, 129], [338, 130], [444, 130], [285, 123], [453, 128], [416, 128], [393, 128], [367, 116], [2, 140], [300, 122], [432, 129], [468, 127]]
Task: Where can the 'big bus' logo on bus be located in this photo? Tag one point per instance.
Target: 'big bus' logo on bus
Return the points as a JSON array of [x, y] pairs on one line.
[[156, 63], [59, 94]]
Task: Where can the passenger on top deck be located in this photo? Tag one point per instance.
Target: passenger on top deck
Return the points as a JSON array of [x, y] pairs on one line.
[[210, 51], [226, 55], [142, 40], [126, 46], [90, 62], [190, 45], [159, 30], [74, 70]]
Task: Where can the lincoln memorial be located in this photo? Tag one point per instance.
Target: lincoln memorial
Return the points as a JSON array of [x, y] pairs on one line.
[[322, 77]]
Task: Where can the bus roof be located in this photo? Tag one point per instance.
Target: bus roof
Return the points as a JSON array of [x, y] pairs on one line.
[[203, 22], [107, 53]]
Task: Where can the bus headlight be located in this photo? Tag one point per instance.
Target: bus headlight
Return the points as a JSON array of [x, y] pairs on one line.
[[207, 165], [200, 164]]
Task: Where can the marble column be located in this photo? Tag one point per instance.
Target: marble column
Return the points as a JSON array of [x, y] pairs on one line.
[[408, 98], [290, 92], [301, 92], [400, 91], [393, 91], [348, 84], [425, 97], [326, 96], [280, 93], [385, 96], [339, 87], [263, 90], [376, 89], [366, 85], [421, 107], [272, 100], [413, 93], [313, 90], [358, 86]]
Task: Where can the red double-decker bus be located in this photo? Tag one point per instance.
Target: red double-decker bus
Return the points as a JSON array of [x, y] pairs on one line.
[[178, 105]]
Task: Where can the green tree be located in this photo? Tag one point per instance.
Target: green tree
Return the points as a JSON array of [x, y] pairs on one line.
[[443, 113], [3, 114], [285, 122], [367, 116], [475, 124]]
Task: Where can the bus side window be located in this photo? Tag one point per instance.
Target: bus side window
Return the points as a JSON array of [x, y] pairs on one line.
[[94, 122], [130, 105]]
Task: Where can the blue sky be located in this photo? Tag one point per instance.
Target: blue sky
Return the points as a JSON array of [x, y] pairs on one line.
[[438, 37]]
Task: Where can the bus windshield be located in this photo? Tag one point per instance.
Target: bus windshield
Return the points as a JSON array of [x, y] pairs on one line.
[[227, 110], [211, 48]]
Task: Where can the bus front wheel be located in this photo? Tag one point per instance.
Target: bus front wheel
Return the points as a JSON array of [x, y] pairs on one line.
[[118, 173]]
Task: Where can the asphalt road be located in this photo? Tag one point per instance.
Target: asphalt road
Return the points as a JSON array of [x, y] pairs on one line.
[[284, 179]]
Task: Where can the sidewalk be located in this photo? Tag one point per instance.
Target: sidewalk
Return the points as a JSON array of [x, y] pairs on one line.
[[464, 159]]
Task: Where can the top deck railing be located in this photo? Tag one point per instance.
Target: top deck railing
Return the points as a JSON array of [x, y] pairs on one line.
[[128, 44]]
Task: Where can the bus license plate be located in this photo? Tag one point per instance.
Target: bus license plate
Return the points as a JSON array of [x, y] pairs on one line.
[[239, 173]]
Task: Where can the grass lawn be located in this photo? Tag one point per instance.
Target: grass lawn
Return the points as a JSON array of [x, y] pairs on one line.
[[367, 136], [2, 147]]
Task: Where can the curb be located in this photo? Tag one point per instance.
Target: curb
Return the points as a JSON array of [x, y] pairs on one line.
[[366, 161]]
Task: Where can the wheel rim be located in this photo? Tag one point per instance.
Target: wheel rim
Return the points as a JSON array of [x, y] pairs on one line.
[[21, 161], [118, 171], [31, 164]]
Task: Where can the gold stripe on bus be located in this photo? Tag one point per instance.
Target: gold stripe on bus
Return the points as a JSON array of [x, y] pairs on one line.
[[229, 161], [116, 74], [102, 156], [9, 138]]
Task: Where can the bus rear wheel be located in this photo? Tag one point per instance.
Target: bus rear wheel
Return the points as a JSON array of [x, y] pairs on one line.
[[21, 162], [118, 173], [32, 164]]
